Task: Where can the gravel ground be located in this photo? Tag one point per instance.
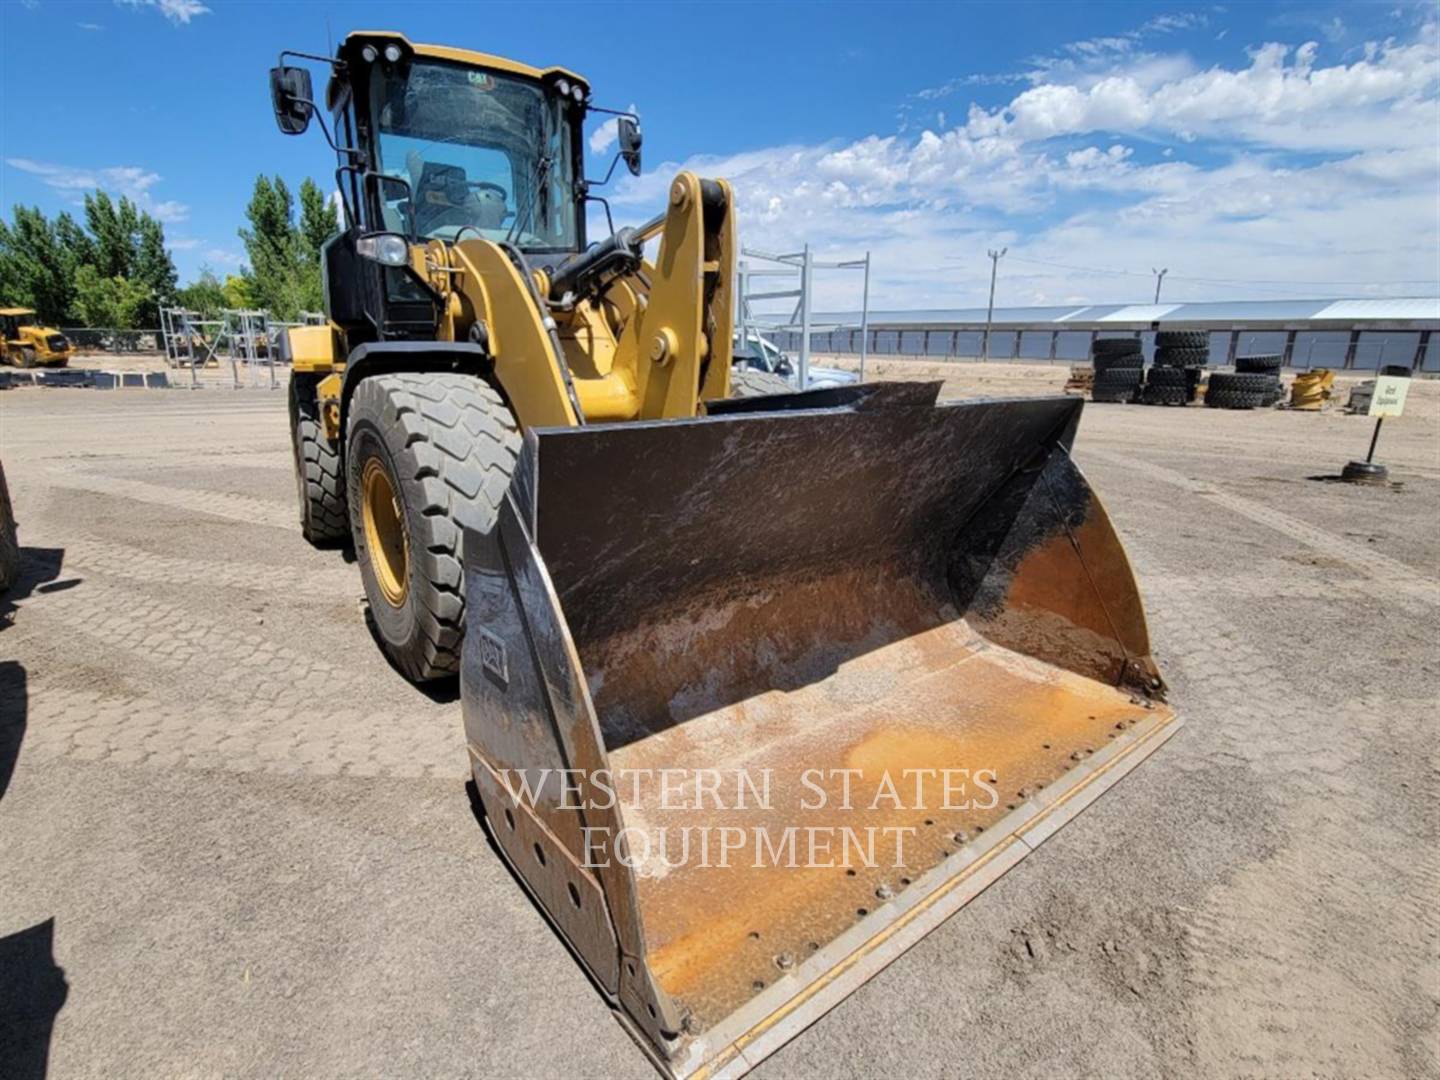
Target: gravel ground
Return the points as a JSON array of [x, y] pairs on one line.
[[233, 840]]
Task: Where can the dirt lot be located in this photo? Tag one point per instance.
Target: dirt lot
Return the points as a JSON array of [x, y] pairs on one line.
[[245, 843]]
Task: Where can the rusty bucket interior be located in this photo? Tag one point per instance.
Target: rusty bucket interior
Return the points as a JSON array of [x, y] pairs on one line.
[[751, 624]]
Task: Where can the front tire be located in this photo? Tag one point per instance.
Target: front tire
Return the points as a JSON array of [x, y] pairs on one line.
[[427, 456]]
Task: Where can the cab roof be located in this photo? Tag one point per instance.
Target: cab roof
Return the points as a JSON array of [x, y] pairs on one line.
[[17, 311], [469, 56]]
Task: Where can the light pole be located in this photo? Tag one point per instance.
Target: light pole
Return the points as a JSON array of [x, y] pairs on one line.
[[990, 311], [1159, 277]]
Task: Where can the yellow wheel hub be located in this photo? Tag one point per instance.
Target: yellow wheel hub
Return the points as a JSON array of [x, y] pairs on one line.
[[385, 541]]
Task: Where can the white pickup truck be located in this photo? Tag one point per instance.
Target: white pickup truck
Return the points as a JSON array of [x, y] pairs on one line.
[[760, 354]]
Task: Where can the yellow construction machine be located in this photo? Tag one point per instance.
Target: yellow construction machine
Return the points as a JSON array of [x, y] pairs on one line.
[[27, 343], [893, 642]]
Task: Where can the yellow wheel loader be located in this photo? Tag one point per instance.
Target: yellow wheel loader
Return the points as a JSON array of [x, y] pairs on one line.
[[28, 344], [860, 650]]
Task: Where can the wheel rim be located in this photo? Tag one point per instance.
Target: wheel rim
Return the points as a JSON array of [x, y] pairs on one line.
[[385, 541]]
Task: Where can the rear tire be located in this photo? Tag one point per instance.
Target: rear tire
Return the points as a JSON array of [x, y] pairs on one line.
[[1181, 358], [1258, 365], [1167, 377], [1107, 362], [28, 358], [427, 456], [9, 541], [1116, 347], [1183, 339], [319, 483], [748, 382]]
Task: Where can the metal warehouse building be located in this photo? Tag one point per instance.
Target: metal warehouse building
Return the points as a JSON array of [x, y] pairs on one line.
[[1361, 334]]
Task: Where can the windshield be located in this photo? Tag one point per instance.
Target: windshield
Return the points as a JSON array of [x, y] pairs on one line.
[[479, 149], [28, 319]]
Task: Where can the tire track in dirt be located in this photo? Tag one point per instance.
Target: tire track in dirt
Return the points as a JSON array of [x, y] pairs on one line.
[[219, 700], [93, 555], [86, 725], [1390, 574], [1285, 981], [227, 505]]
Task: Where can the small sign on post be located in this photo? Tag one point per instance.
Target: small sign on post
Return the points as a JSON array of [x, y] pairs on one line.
[[1389, 396], [1387, 400]]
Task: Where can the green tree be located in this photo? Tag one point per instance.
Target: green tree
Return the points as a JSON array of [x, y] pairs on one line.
[[113, 226], [239, 291], [317, 225], [285, 256], [317, 218], [113, 301], [205, 295], [127, 242], [77, 249], [153, 268], [32, 269], [273, 245]]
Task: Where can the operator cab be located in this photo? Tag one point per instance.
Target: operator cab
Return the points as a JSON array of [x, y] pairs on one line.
[[441, 144], [12, 319], [478, 151]]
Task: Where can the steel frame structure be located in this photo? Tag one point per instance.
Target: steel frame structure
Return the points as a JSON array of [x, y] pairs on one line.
[[799, 266]]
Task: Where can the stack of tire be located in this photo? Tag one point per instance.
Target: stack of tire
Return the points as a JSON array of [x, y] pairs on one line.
[[1119, 369], [1180, 357], [1255, 384]]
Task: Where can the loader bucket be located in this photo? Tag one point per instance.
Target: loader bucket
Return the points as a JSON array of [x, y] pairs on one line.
[[754, 701]]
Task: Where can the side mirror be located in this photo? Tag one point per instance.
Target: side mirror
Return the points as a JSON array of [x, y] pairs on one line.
[[292, 98], [628, 131]]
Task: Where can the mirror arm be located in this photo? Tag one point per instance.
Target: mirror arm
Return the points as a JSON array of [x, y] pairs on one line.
[[316, 115], [613, 112], [608, 173]]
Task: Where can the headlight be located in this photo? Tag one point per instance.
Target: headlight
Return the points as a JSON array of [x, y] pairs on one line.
[[391, 249], [392, 53], [578, 93], [368, 54], [563, 86]]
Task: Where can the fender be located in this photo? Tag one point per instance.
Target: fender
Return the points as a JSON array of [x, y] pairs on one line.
[[383, 357]]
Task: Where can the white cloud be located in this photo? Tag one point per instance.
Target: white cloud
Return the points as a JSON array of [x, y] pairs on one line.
[[183, 243], [1358, 205], [224, 257], [179, 12], [131, 181], [90, 26], [1075, 59]]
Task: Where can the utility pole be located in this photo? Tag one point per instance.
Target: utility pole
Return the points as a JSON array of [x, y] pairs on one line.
[[865, 318], [1159, 277], [990, 311]]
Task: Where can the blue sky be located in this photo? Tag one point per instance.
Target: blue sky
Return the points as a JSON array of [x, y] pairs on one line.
[[1254, 149]]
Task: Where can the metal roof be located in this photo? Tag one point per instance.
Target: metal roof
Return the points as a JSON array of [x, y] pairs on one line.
[[1415, 312]]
